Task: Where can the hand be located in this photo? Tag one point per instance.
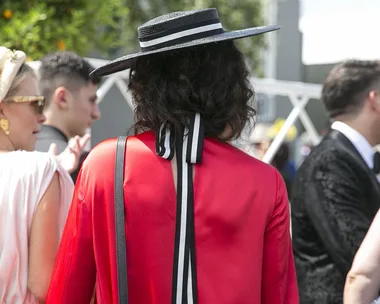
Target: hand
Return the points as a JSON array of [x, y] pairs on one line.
[[69, 158]]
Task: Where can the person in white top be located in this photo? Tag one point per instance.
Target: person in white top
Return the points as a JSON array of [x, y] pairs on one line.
[[35, 190]]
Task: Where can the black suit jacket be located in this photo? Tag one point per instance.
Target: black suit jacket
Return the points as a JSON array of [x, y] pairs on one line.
[[49, 135], [335, 198]]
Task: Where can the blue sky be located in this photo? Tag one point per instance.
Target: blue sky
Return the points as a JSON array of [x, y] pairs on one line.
[[335, 30]]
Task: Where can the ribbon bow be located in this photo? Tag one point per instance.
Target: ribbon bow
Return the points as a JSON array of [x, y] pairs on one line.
[[190, 140]]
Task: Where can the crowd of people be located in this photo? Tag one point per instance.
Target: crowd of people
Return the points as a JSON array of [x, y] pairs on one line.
[[200, 221]]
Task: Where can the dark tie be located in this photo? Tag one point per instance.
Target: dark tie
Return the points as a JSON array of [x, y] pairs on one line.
[[376, 163]]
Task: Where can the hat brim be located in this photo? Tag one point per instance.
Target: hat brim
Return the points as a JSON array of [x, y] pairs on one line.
[[126, 62]]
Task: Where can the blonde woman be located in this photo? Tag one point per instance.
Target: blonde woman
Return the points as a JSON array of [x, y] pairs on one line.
[[35, 191], [363, 281]]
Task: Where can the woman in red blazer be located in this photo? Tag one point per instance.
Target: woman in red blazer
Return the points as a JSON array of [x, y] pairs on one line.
[[205, 222]]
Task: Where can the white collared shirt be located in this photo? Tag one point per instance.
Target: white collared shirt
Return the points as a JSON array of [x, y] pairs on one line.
[[358, 140]]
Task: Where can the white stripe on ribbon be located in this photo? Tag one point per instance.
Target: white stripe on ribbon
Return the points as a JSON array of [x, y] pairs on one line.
[[160, 137], [167, 144], [182, 234], [194, 145], [178, 35], [190, 298], [182, 238]]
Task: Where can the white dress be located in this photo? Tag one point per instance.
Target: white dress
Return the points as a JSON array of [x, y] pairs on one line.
[[24, 178]]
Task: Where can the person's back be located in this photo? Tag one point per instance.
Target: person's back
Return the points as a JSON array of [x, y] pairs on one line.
[[241, 222], [24, 180], [237, 204], [204, 221]]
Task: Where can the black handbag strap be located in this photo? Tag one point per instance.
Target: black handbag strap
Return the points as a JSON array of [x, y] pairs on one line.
[[121, 256]]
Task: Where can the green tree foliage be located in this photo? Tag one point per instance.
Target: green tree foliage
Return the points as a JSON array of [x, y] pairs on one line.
[[42, 26]]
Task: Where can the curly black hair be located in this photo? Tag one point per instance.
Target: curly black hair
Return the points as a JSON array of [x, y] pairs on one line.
[[210, 79], [345, 88], [65, 69]]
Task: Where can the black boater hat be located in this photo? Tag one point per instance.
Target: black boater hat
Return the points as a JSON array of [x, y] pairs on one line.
[[179, 30]]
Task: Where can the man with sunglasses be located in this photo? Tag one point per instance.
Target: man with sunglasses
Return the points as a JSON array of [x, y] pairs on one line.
[[70, 97]]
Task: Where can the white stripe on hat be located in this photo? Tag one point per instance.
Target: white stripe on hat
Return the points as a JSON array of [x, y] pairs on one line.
[[197, 30]]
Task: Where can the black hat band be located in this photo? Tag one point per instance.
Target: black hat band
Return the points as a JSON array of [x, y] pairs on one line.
[[185, 34]]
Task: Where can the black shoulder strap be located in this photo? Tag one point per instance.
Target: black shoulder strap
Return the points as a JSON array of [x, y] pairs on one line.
[[121, 256]]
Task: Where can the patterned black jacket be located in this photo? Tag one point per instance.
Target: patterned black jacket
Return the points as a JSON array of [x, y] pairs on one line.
[[335, 198]]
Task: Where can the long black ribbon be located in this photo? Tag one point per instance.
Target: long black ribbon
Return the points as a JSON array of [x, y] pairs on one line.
[[187, 145]]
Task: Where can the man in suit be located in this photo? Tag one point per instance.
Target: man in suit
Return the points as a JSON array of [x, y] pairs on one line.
[[336, 193], [71, 105]]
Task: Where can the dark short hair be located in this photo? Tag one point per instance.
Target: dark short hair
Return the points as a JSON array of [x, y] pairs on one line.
[[347, 85], [65, 69], [210, 79]]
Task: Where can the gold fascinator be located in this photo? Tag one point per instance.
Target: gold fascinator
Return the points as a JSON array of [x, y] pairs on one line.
[[10, 63]]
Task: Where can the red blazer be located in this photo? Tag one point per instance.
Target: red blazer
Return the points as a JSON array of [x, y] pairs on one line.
[[242, 235]]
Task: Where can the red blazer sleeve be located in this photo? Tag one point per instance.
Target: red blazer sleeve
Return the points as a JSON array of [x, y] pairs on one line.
[[279, 282], [74, 271]]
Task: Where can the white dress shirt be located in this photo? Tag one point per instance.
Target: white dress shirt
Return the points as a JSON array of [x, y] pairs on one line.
[[358, 140]]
